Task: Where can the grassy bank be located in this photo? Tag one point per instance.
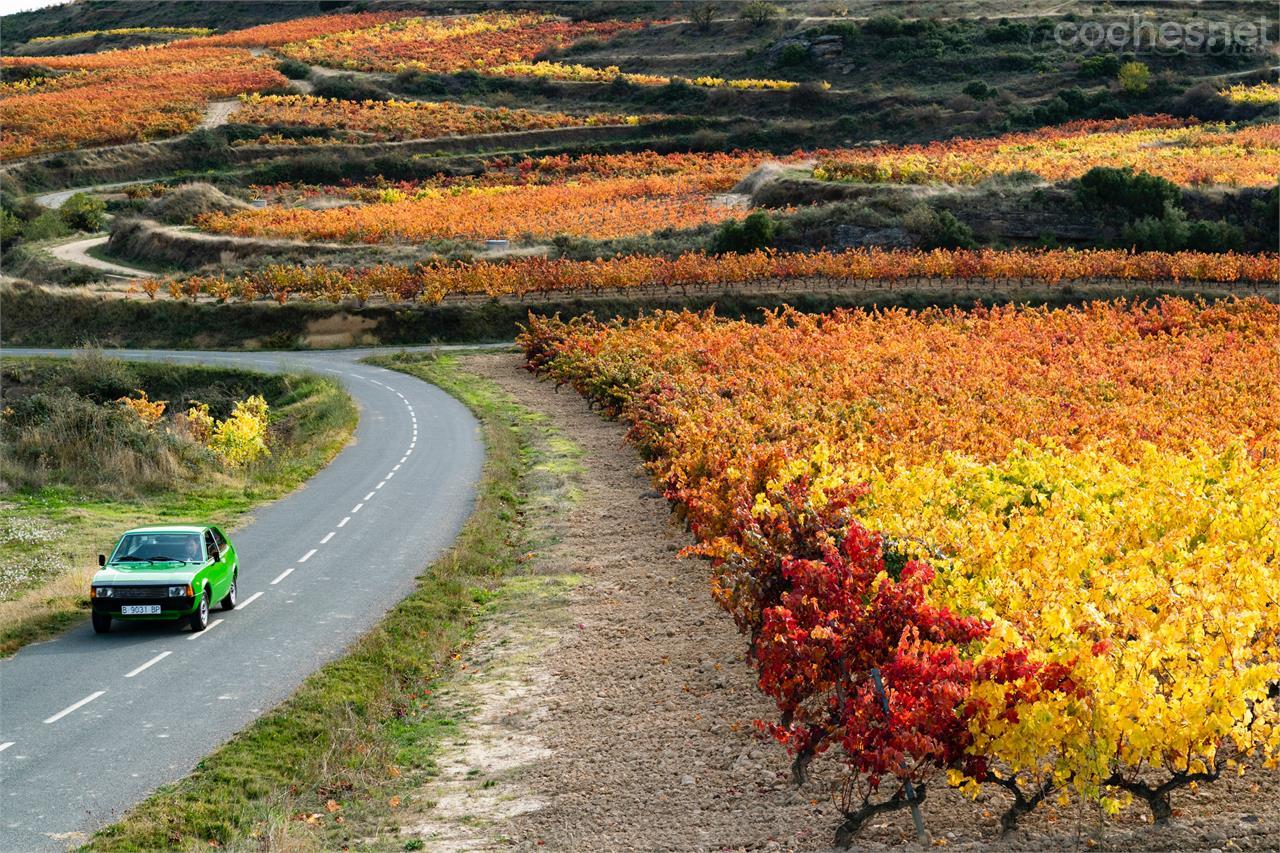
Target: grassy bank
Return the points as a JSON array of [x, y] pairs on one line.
[[330, 767], [72, 480], [39, 317]]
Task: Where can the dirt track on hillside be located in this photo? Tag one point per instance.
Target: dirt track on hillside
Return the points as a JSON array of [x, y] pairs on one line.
[[619, 715]]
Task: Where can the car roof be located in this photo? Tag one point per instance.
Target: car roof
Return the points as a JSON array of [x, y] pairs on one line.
[[168, 528]]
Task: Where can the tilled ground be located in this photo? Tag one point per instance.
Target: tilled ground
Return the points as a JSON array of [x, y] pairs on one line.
[[617, 712]]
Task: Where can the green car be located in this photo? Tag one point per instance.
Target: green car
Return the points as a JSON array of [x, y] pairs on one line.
[[173, 572]]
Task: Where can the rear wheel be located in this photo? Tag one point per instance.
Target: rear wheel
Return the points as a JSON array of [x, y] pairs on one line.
[[101, 623], [229, 600], [200, 619]]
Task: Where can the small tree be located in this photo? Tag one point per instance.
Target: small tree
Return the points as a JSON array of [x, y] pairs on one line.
[[702, 14], [1134, 77], [83, 212], [754, 232], [759, 12]]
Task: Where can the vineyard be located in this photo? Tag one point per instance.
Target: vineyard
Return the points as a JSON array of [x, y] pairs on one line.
[[1184, 152], [1012, 518], [122, 96], [598, 196], [406, 119], [528, 277]]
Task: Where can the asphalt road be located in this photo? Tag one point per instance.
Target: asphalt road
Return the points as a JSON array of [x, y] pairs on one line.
[[90, 725]]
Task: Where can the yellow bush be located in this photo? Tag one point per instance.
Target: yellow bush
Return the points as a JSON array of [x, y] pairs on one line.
[[242, 437]]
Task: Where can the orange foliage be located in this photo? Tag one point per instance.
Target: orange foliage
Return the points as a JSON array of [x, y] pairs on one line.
[[125, 96]]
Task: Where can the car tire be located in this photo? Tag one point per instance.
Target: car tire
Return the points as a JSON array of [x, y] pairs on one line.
[[101, 623], [200, 619], [229, 600]]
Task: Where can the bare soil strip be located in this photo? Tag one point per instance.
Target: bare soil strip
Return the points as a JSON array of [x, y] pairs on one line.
[[617, 714]]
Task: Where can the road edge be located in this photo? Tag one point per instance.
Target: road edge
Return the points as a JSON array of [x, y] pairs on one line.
[[360, 730]]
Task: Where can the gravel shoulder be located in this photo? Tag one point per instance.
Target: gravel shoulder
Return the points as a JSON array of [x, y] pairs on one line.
[[609, 707]]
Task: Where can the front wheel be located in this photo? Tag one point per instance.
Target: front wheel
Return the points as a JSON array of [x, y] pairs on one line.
[[200, 619], [229, 600], [101, 623]]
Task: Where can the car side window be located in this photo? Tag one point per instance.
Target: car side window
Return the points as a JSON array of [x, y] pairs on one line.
[[209, 546], [220, 539]]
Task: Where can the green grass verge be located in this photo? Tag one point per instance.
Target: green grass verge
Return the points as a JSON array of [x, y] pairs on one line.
[[320, 771], [49, 535]]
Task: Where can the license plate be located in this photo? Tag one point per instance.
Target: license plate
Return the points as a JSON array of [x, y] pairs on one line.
[[140, 610]]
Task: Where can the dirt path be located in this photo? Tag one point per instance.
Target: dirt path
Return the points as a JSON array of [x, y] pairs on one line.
[[618, 715], [77, 252], [217, 113]]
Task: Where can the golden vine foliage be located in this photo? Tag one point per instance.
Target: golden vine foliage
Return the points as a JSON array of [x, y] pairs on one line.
[[1182, 151], [1097, 484]]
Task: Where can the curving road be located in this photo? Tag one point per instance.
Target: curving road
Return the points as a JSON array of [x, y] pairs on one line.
[[90, 725]]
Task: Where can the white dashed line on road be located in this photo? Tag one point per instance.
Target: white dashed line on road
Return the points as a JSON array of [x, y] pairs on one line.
[[6, 745], [77, 706], [380, 485], [307, 556], [282, 575], [154, 660], [250, 600], [328, 536], [344, 521], [398, 464], [356, 508], [366, 497], [207, 628]]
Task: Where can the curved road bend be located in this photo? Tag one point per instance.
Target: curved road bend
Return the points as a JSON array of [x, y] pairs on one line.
[[90, 725]]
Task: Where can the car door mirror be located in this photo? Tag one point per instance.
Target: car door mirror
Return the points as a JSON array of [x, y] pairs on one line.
[[102, 559]]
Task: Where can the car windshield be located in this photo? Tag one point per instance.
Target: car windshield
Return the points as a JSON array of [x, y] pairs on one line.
[[147, 547]]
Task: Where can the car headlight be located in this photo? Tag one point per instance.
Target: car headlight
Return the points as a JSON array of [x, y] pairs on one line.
[[102, 592], [177, 591]]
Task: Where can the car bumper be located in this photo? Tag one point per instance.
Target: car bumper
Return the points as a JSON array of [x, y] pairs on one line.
[[170, 608]]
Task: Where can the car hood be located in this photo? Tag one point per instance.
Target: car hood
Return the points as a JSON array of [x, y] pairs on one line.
[[146, 573]]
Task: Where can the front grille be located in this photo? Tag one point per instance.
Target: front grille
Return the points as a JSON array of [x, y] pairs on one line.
[[140, 591]]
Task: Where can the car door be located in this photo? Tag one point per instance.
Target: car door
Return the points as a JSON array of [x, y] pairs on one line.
[[219, 576], [228, 551]]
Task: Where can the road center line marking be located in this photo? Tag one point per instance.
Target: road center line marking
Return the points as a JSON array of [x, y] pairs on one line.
[[250, 600], [327, 537], [207, 628], [366, 497], [391, 473], [306, 556], [356, 508], [380, 485], [77, 706], [398, 464], [154, 660], [282, 576], [402, 458], [344, 521], [6, 745]]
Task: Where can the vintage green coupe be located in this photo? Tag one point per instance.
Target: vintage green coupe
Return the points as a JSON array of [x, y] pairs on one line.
[[172, 572]]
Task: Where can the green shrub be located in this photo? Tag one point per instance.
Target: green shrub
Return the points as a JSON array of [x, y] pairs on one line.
[[293, 69], [748, 235], [884, 26], [345, 87], [1135, 194], [1102, 66], [937, 229], [979, 90], [83, 212], [1173, 232], [793, 55], [10, 227], [47, 226], [759, 12]]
